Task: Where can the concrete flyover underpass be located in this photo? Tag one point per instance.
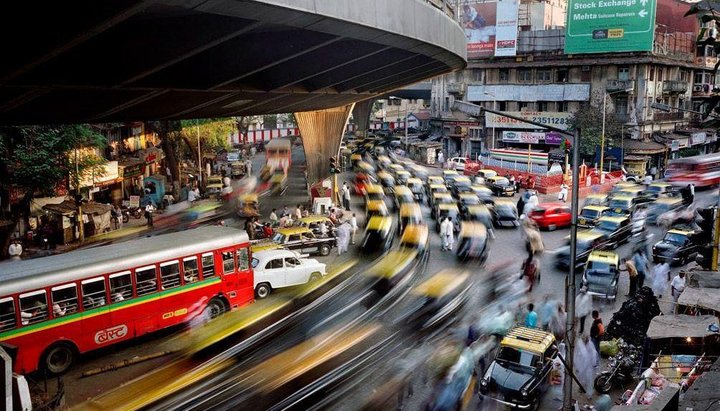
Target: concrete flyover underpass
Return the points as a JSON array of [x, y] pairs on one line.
[[87, 61]]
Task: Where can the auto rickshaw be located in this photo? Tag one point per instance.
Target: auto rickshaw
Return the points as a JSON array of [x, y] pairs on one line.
[[378, 233], [415, 237], [248, 205], [278, 182], [438, 298], [473, 242], [376, 207]]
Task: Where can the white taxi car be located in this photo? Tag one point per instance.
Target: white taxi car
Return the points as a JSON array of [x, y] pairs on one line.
[[283, 268]]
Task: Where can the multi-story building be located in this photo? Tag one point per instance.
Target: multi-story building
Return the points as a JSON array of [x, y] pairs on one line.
[[543, 83]]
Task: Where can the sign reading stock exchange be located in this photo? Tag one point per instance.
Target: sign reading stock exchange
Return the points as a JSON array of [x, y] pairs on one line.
[[602, 26]]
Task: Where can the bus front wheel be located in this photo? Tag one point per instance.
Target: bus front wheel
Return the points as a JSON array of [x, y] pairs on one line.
[[58, 358]]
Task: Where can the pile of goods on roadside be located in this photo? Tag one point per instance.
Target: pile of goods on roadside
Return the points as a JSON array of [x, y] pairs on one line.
[[632, 320]]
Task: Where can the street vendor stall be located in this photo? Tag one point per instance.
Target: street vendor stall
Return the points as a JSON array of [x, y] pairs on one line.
[[700, 301], [707, 279], [96, 218]]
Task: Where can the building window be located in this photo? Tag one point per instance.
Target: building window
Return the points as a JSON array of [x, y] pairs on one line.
[[522, 105], [502, 105], [561, 75], [544, 76], [542, 106], [446, 106], [651, 76], [585, 75], [477, 75], [624, 73], [524, 76], [504, 75], [459, 76], [683, 75], [562, 106], [660, 74]]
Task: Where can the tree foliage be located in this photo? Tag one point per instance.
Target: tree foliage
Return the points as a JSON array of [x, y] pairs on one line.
[[588, 119], [214, 133]]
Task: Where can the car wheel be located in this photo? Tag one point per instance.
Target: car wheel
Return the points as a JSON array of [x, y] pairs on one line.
[[58, 358], [315, 277], [262, 291], [324, 250]]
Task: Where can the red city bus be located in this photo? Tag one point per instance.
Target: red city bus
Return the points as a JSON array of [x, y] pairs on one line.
[[277, 154], [703, 171], [54, 308]]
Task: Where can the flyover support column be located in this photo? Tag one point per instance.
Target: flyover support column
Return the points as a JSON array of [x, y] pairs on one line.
[[361, 115], [321, 132]]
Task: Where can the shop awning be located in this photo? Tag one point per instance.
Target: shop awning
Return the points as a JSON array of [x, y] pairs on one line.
[[643, 147], [68, 207], [680, 326], [707, 298]]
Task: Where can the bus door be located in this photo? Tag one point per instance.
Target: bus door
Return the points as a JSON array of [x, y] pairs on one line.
[[235, 268]]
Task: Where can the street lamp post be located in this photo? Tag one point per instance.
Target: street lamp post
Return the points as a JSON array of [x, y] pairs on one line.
[[492, 139]]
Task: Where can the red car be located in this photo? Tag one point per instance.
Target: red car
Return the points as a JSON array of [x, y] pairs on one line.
[[551, 215]]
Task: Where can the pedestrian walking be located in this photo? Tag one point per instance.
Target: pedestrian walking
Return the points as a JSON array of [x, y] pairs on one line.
[[677, 286], [273, 218], [446, 229], [584, 362], [521, 204], [583, 308], [115, 217], [531, 318], [513, 183], [322, 227], [562, 195], [149, 210], [558, 322], [660, 275], [346, 196], [547, 310], [250, 228], [298, 212], [641, 264], [343, 237], [632, 274], [353, 227], [597, 329], [15, 250], [530, 203], [441, 158], [529, 270]]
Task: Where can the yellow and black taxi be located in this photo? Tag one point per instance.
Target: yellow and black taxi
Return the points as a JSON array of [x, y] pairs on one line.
[[590, 214], [466, 200], [383, 161], [483, 193], [596, 199], [394, 267], [449, 175], [661, 206], [265, 245], [415, 237], [303, 240], [520, 373], [678, 246], [376, 207], [621, 205], [480, 213], [386, 180], [639, 195], [587, 242], [621, 186], [417, 188], [447, 210], [355, 158], [409, 214], [439, 297], [374, 192], [505, 214], [500, 186], [460, 185], [379, 233], [433, 180], [437, 199], [660, 189], [618, 229], [402, 195], [313, 222], [601, 274], [402, 176], [473, 243]]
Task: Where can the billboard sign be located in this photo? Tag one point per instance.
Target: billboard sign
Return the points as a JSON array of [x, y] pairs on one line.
[[506, 32], [605, 26], [525, 137], [555, 119], [479, 24]]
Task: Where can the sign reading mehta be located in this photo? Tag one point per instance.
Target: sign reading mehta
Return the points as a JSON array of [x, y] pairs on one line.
[[602, 26]]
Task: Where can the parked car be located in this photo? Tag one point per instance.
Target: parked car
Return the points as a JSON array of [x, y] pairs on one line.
[[483, 175], [520, 373], [551, 216], [500, 186], [505, 214], [602, 274], [274, 269], [303, 240], [457, 163], [677, 247], [590, 214], [313, 223], [617, 228]]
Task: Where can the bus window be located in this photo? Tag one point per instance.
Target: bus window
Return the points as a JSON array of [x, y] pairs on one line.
[[190, 268], [33, 307], [208, 265], [93, 291], [170, 275], [228, 258], [7, 314], [145, 280], [120, 286], [243, 257], [64, 300]]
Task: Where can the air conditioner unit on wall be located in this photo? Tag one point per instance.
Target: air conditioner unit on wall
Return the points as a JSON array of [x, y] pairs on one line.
[[698, 88], [585, 68]]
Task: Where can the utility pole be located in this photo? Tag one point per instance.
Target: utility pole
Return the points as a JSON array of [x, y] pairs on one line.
[[78, 200], [200, 166]]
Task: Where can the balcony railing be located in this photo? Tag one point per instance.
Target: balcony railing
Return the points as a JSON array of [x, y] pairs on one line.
[[619, 85], [668, 116], [456, 88], [675, 86]]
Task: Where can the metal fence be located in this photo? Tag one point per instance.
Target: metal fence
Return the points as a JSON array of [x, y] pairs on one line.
[[516, 165]]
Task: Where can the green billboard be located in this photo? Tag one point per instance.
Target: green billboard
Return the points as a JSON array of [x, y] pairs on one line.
[[603, 26]]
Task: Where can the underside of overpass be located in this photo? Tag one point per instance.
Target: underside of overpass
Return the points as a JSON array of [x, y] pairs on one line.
[[126, 60]]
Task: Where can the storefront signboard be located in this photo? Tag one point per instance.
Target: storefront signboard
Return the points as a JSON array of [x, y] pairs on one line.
[[554, 119], [525, 137], [698, 138], [134, 201]]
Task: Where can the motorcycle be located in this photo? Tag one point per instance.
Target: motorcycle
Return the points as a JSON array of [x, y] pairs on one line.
[[131, 212], [620, 370]]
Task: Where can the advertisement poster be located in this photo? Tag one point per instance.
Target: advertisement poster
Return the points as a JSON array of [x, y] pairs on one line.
[[560, 120], [134, 201], [506, 31], [479, 25], [525, 137], [604, 26]]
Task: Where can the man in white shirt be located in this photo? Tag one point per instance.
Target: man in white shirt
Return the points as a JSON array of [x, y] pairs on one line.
[[149, 209], [583, 308], [15, 250], [273, 218], [678, 285], [353, 227], [346, 196]]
